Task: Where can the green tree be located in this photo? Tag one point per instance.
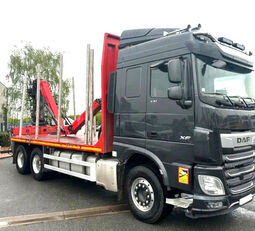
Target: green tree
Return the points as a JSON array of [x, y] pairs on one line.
[[98, 118], [72, 117], [24, 61]]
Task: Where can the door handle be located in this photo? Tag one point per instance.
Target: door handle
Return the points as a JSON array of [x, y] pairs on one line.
[[153, 134]]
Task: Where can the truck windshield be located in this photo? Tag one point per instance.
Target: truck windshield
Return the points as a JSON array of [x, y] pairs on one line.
[[232, 80]]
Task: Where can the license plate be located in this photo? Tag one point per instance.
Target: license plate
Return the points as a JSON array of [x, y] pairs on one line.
[[245, 199]]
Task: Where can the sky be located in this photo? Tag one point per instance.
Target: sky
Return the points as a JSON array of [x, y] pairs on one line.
[[69, 25]]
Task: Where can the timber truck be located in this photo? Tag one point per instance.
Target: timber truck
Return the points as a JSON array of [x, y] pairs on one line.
[[177, 130]]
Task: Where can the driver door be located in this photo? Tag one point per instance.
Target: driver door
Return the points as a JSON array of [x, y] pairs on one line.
[[169, 126]]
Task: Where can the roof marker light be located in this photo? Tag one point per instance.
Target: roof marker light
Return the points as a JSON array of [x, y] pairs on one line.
[[239, 46], [225, 40]]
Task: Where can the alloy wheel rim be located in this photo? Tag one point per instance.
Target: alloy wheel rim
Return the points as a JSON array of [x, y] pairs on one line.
[[20, 159], [37, 164], [142, 194]]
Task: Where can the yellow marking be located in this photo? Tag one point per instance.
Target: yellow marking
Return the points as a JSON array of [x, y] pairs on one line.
[[78, 147], [20, 140], [183, 175]]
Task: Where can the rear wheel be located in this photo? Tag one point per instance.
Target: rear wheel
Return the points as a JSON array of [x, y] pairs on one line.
[[36, 164], [145, 194], [22, 160]]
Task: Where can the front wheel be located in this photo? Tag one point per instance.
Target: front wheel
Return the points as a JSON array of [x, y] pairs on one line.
[[36, 164], [145, 194]]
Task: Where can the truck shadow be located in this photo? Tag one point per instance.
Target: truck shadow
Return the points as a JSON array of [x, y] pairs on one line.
[[79, 187]]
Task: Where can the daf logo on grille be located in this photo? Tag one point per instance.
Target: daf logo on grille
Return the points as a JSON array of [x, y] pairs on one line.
[[243, 139]]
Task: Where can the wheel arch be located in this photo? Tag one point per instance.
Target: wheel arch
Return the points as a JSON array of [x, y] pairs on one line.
[[150, 159], [130, 153]]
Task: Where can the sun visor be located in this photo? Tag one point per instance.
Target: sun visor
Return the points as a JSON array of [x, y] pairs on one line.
[[236, 55]]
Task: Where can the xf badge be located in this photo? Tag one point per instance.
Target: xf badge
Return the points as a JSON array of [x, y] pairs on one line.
[[186, 138]]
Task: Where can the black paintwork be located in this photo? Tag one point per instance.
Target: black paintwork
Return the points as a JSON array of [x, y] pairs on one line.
[[224, 119], [134, 37], [159, 128]]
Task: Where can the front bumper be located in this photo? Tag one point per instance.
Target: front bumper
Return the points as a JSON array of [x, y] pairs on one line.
[[204, 205], [201, 204]]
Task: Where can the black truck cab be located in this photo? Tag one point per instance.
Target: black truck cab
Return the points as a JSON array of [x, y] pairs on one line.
[[184, 106]]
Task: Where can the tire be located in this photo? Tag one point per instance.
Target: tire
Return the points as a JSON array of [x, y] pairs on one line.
[[22, 160], [145, 194], [36, 164]]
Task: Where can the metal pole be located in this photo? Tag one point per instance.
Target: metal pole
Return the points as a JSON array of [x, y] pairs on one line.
[[38, 73], [60, 96], [8, 109], [94, 133], [87, 94], [91, 96], [74, 111], [22, 104]]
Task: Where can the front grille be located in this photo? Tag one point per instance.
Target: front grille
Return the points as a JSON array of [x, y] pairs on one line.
[[240, 170]]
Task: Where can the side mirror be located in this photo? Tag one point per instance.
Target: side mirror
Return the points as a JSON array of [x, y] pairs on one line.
[[175, 92], [175, 70]]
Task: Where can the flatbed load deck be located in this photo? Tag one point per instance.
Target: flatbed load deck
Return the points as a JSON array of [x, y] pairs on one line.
[[73, 142]]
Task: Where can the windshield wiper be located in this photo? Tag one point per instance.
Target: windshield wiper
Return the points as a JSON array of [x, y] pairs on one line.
[[230, 100], [251, 103], [225, 101], [240, 102], [214, 93]]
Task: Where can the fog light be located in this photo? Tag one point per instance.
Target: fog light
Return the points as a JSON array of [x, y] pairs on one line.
[[214, 205], [211, 185]]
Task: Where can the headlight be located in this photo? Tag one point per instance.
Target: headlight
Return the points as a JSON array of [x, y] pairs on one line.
[[211, 185]]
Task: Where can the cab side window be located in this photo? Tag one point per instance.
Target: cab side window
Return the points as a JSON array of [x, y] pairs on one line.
[[159, 82], [133, 82], [133, 89]]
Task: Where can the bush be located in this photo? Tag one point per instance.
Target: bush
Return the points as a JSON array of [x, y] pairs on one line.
[[13, 121], [27, 120], [4, 139]]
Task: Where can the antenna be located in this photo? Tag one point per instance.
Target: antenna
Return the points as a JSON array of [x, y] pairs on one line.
[[179, 31], [188, 28], [196, 28]]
